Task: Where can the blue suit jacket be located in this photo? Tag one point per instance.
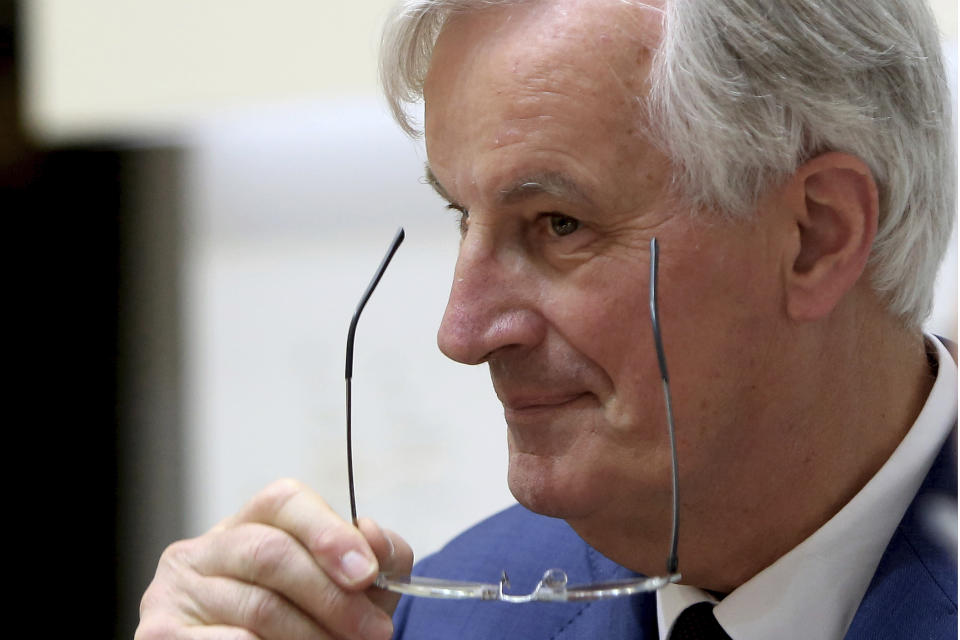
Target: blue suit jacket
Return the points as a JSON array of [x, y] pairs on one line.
[[913, 593]]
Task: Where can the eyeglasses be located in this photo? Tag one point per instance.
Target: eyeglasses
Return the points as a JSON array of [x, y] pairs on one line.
[[553, 586]]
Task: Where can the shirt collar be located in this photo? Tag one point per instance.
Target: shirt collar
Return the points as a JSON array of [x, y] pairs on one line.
[[814, 590]]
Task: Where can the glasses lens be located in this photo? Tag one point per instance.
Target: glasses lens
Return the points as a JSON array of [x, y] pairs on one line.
[[618, 588], [438, 587]]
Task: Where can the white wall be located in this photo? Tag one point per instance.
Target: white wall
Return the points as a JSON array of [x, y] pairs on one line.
[[103, 67]]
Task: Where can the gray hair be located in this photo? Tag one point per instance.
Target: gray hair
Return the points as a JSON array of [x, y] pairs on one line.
[[745, 91]]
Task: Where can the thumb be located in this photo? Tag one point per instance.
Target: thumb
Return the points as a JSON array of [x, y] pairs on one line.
[[394, 555]]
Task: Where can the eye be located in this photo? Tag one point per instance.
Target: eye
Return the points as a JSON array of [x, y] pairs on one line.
[[562, 225]]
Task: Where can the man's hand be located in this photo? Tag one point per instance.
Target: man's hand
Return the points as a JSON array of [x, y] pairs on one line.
[[285, 566]]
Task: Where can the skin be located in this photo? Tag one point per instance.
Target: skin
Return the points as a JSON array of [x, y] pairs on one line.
[[284, 566], [791, 384]]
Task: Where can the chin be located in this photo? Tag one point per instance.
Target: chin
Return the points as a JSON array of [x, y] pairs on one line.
[[547, 485]]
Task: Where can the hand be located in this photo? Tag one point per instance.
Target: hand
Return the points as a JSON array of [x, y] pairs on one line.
[[285, 566]]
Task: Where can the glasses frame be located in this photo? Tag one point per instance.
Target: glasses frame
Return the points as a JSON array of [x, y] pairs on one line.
[[553, 586]]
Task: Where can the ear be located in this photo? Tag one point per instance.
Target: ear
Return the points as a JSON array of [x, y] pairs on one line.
[[834, 204]]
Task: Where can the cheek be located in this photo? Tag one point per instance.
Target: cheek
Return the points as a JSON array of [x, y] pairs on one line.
[[716, 302], [718, 320], [601, 313], [608, 323]]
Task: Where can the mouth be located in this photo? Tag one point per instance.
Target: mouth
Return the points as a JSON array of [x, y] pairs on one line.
[[525, 408]]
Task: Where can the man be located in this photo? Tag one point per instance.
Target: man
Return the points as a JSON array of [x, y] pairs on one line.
[[794, 163]]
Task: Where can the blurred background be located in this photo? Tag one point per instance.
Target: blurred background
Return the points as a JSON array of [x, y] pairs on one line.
[[197, 192]]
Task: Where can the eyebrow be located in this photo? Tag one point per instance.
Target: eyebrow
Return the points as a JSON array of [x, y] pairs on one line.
[[551, 183], [433, 182]]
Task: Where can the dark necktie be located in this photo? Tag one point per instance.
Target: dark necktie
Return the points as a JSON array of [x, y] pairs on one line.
[[697, 622]]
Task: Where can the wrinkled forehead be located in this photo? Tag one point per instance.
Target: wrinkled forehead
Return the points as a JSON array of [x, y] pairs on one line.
[[542, 39]]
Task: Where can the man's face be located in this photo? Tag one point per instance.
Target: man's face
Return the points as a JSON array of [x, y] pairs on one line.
[[534, 126]]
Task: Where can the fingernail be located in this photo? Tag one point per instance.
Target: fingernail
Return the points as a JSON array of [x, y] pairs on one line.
[[356, 566], [392, 549], [376, 626]]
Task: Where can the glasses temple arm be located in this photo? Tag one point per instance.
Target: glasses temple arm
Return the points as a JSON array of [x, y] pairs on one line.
[[348, 369], [662, 362], [397, 239]]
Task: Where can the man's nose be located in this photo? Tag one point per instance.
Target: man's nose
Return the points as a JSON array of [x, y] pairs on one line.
[[492, 302]]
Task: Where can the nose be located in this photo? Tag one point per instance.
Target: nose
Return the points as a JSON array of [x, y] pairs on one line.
[[492, 303]]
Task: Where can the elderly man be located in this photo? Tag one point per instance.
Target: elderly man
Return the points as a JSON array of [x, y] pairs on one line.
[[793, 161]]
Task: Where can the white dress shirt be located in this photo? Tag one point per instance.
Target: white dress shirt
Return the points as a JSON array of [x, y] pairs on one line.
[[814, 590]]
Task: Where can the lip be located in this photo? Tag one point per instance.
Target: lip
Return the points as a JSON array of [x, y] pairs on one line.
[[531, 404]]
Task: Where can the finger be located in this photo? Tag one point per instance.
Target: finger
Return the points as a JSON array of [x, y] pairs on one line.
[[337, 546], [184, 598], [219, 632], [393, 553], [272, 559], [154, 629], [395, 556], [229, 603]]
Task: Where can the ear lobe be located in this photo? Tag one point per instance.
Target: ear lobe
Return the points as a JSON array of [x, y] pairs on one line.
[[837, 222]]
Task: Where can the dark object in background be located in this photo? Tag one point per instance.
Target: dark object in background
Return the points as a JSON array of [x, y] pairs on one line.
[[60, 237], [91, 246]]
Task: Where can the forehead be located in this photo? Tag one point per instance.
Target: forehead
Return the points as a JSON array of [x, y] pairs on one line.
[[539, 74], [540, 39]]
